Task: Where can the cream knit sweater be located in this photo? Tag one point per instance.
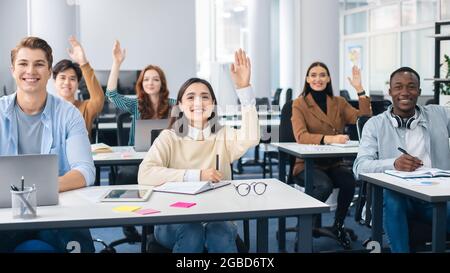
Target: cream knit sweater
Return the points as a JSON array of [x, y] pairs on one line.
[[171, 155]]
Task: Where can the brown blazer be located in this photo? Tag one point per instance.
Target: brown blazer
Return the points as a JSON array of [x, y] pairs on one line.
[[310, 124]]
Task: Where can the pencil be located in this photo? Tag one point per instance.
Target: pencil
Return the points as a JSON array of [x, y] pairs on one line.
[[217, 162]]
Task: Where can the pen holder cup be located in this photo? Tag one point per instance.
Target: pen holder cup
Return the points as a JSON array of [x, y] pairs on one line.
[[23, 203]]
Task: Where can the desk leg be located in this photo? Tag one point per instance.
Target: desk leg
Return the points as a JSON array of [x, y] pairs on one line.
[[309, 180], [282, 234], [377, 214], [282, 160], [304, 243], [439, 226], [97, 176], [262, 235], [144, 239]]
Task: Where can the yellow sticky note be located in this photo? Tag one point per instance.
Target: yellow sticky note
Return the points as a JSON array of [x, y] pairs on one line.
[[126, 208]]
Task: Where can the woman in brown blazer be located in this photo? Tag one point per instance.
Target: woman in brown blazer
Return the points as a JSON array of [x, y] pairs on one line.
[[318, 117]]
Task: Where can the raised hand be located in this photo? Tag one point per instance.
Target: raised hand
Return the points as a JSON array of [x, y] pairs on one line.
[[241, 69], [355, 80], [76, 53], [117, 53]]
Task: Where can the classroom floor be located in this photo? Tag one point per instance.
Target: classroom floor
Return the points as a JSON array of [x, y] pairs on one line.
[[321, 244]]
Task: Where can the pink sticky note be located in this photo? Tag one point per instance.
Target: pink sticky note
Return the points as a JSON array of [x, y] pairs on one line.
[[183, 205], [147, 211]]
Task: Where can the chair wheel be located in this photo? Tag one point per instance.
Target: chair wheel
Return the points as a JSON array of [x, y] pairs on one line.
[[108, 249]]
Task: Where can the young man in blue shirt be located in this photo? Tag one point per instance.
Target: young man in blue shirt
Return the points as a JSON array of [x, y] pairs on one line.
[[423, 131], [32, 121]]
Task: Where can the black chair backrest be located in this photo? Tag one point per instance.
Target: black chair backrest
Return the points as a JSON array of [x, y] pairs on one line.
[[276, 96], [360, 124], [262, 102], [379, 106], [344, 93], [154, 134], [288, 94], [364, 194], [287, 134], [122, 133]]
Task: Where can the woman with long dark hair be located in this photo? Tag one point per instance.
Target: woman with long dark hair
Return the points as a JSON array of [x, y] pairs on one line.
[[319, 117], [189, 151]]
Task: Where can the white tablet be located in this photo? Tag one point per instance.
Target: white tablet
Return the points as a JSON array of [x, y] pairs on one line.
[[127, 195]]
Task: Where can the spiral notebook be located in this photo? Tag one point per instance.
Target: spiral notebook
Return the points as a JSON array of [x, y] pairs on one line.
[[422, 173]]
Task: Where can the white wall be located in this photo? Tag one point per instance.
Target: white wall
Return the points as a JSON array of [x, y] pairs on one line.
[[160, 32], [319, 37], [13, 27]]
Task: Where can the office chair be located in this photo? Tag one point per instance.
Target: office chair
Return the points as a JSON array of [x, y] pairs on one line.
[[262, 104], [379, 106], [287, 135], [288, 94], [276, 96], [345, 94]]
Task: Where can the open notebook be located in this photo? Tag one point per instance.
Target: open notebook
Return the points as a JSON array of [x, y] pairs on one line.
[[101, 148], [422, 173], [190, 187], [350, 143]]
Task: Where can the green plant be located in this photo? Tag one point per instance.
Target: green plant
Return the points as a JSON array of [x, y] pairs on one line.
[[445, 87]]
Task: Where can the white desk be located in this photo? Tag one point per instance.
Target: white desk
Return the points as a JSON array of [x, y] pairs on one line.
[[308, 153], [438, 195], [121, 155], [77, 211]]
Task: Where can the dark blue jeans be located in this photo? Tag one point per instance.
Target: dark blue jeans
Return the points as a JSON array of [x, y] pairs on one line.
[[216, 237], [57, 238], [397, 209]]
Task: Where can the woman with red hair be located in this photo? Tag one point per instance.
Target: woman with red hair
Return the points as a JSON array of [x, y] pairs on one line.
[[152, 95]]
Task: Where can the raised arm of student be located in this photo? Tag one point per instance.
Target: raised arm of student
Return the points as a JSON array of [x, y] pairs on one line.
[[350, 113], [121, 102], [238, 141], [97, 97]]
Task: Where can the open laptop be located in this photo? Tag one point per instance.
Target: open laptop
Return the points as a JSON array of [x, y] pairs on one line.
[[40, 170], [142, 136]]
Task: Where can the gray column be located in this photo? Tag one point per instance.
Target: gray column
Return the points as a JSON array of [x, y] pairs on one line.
[[259, 46], [319, 36], [287, 44], [13, 27], [53, 21]]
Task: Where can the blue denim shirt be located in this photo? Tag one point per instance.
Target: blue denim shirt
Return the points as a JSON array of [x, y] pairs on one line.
[[380, 140], [64, 134]]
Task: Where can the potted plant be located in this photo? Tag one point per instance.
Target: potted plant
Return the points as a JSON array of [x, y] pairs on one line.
[[444, 88]]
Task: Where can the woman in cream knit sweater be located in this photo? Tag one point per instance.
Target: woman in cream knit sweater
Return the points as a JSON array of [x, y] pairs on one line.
[[187, 152]]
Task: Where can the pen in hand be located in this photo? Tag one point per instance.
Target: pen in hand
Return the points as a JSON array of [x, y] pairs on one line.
[[406, 153]]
